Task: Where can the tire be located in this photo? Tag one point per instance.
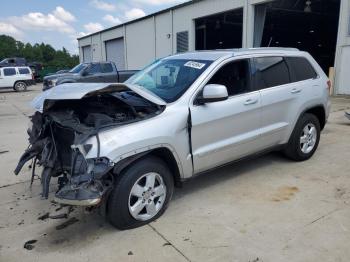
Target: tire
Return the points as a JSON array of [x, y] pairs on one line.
[[124, 204], [20, 86], [304, 139]]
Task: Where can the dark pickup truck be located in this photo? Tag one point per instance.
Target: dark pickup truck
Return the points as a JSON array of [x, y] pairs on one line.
[[96, 72]]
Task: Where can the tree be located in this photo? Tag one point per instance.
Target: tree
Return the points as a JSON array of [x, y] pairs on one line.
[[42, 53]]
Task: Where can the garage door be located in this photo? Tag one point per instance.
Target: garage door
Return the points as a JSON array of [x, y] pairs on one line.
[[115, 52], [86, 54]]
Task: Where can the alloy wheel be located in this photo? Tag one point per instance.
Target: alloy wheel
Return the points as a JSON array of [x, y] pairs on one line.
[[308, 138], [147, 196]]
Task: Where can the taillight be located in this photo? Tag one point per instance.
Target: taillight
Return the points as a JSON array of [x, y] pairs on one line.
[[329, 84], [32, 76]]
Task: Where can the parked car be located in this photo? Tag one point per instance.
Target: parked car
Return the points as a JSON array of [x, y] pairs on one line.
[[101, 72], [18, 78], [14, 61], [127, 145]]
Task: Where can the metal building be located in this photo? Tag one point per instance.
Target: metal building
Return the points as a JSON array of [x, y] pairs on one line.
[[321, 27]]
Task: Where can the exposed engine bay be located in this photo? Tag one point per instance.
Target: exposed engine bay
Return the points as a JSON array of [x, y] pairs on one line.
[[57, 142]]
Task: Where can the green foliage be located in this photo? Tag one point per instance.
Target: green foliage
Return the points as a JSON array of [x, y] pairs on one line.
[[42, 53]]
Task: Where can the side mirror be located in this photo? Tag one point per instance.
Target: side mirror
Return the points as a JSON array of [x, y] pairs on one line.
[[84, 73], [213, 93]]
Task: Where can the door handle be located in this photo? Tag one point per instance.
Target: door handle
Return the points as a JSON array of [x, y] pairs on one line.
[[250, 101], [295, 91]]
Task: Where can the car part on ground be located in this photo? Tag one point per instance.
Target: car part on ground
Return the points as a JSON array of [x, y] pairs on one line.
[[347, 114]]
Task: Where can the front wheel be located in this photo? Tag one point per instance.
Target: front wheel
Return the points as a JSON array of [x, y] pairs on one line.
[[304, 139], [20, 86], [141, 194]]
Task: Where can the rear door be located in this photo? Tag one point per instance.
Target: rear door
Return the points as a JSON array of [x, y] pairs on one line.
[[93, 74], [109, 73], [280, 99], [227, 130], [25, 73]]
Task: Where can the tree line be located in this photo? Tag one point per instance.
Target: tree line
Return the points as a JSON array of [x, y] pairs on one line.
[[42, 53]]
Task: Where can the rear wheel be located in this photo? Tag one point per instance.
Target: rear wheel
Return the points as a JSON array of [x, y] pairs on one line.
[[141, 194], [20, 86], [304, 139]]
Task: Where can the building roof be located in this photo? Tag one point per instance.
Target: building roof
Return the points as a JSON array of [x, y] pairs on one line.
[[189, 2], [213, 55]]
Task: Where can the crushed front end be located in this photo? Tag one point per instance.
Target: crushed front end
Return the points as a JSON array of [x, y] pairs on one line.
[[59, 138]]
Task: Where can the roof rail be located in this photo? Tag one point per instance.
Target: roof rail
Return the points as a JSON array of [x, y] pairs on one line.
[[275, 48], [257, 49]]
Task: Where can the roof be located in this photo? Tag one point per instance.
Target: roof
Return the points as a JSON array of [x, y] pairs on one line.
[[189, 2], [213, 55]]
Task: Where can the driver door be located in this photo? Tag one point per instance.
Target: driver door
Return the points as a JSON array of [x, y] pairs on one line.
[[227, 130]]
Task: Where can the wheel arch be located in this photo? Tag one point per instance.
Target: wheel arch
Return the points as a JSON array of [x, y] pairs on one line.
[[162, 153], [318, 111], [23, 81]]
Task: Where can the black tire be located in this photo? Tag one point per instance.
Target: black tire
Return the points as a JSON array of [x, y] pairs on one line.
[[20, 86], [293, 149], [118, 203]]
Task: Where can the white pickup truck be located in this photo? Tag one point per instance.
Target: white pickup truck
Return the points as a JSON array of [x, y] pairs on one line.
[[18, 78]]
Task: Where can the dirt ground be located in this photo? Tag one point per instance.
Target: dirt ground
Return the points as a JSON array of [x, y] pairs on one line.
[[266, 209]]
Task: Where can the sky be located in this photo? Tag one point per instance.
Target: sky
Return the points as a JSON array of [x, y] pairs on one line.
[[60, 23]]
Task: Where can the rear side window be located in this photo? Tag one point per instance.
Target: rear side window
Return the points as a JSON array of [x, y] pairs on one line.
[[23, 71], [107, 68], [301, 69], [271, 71], [94, 69], [9, 71]]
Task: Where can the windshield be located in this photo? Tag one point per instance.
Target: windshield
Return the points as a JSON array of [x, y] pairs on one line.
[[77, 69], [170, 78]]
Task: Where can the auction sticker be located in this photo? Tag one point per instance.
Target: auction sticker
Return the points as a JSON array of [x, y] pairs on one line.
[[195, 65]]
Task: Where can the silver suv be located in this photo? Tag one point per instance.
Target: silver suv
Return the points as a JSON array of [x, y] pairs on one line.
[[125, 146]]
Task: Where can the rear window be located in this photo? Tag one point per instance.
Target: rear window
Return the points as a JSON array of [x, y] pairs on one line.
[[9, 71], [23, 71], [301, 69], [107, 68], [271, 71]]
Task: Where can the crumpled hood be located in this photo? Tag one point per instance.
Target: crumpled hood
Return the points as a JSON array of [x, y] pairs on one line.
[[79, 90]]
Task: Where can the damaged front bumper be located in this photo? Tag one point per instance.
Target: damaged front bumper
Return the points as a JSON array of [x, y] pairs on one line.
[[81, 181]]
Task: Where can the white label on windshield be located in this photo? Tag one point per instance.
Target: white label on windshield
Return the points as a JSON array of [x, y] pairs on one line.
[[195, 65]]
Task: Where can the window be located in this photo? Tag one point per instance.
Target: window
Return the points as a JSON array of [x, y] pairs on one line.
[[9, 71], [169, 78], [182, 42], [94, 69], [301, 69], [235, 76], [77, 69], [271, 71], [107, 68], [24, 71]]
